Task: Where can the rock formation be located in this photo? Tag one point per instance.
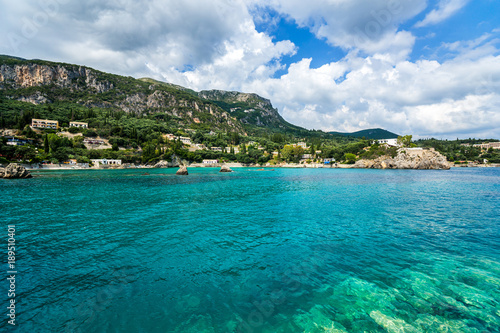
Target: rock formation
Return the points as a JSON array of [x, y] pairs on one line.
[[165, 164], [225, 168], [182, 171], [13, 171], [408, 158]]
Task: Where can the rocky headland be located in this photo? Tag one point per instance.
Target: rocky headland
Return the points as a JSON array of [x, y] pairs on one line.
[[408, 158]]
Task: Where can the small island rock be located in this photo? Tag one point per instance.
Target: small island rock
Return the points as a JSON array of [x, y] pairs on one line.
[[182, 171], [14, 171], [225, 168]]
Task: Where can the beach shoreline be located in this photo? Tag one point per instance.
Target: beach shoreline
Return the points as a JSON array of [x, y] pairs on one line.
[[31, 167]]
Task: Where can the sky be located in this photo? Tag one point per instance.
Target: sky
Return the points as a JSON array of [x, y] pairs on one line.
[[418, 67]]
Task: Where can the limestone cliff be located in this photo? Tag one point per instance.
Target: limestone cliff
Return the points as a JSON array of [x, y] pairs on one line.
[[408, 158], [33, 75], [40, 82], [248, 108]]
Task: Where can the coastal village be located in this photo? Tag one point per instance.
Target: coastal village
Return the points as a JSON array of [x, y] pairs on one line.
[[307, 155]]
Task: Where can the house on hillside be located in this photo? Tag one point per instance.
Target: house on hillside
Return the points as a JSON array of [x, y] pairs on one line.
[[389, 142], [185, 140], [302, 144], [105, 162], [488, 145], [44, 123], [78, 124], [13, 141]]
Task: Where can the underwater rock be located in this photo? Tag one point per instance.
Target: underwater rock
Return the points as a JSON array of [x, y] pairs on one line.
[[316, 321], [392, 325]]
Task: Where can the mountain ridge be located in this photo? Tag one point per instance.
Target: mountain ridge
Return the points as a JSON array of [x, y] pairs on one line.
[[372, 133], [44, 82]]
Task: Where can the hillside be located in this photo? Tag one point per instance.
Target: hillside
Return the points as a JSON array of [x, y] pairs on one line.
[[68, 86], [374, 134], [43, 83]]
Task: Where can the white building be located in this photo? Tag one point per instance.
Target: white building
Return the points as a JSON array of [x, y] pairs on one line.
[[78, 124], [98, 163], [389, 142], [210, 161], [185, 140]]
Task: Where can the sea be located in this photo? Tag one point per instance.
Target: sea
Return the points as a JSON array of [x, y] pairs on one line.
[[283, 250]]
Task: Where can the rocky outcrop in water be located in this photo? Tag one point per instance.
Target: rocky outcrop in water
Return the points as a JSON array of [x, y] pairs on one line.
[[408, 158], [225, 168], [183, 171], [14, 171]]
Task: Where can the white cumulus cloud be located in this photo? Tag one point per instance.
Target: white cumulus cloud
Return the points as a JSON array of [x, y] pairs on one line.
[[444, 10]]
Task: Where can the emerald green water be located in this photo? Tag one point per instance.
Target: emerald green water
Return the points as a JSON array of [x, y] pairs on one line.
[[290, 250]]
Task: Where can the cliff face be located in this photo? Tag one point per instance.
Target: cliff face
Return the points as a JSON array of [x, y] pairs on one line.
[[248, 108], [408, 158], [33, 75]]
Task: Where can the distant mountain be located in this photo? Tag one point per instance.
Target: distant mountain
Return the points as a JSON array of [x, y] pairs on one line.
[[374, 134]]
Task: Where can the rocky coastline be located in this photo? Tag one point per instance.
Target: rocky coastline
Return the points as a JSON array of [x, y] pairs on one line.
[[408, 158], [14, 171]]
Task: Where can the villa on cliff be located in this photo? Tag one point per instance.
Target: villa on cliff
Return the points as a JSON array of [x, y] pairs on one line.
[[389, 142]]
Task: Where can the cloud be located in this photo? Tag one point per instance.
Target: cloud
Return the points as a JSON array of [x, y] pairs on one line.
[[446, 9], [423, 98], [213, 37], [369, 26]]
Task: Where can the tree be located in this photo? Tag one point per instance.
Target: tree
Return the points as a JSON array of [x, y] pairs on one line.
[[46, 146], [350, 158], [405, 141], [291, 153]]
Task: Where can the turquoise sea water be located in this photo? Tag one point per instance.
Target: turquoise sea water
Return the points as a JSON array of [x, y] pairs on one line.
[[290, 250]]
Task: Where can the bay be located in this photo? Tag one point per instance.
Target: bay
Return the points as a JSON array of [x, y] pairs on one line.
[[290, 250]]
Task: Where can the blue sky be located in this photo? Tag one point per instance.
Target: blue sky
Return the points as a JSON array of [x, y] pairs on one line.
[[420, 67]]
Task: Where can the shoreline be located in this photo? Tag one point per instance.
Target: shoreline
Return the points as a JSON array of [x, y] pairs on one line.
[[230, 165]]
